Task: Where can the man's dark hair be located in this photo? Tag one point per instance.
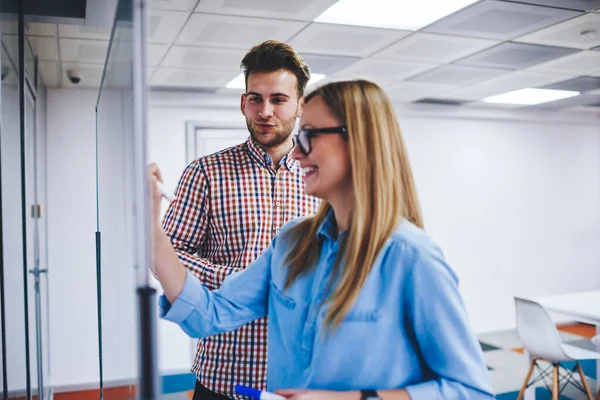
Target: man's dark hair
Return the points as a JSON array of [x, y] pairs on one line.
[[274, 55]]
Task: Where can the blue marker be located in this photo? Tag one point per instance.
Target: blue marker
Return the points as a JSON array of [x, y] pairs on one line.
[[256, 394]]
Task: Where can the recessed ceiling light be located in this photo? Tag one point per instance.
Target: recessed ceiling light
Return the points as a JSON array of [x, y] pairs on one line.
[[530, 96], [315, 78], [239, 82], [391, 14]]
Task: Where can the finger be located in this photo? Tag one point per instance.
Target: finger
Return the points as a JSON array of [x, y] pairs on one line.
[[154, 171], [288, 393]]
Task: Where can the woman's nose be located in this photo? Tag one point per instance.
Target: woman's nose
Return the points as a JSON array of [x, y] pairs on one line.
[[296, 152]]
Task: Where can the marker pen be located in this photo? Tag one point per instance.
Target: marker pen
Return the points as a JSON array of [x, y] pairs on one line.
[[256, 394], [164, 192]]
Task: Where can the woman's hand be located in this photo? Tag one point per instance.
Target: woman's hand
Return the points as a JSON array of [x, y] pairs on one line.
[[154, 176], [318, 395], [166, 265]]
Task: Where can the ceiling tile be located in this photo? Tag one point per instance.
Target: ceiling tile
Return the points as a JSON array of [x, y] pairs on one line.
[[207, 58], [49, 72], [322, 64], [46, 48], [580, 84], [457, 75], [581, 63], [475, 92], [235, 32], [525, 79], [412, 91], [10, 43], [177, 5], [434, 48], [10, 27], [155, 53], [91, 75], [164, 25], [581, 33], [84, 51], [579, 5], [41, 29], [344, 40], [192, 78], [596, 48], [83, 32], [305, 10], [500, 20], [515, 56], [386, 70]]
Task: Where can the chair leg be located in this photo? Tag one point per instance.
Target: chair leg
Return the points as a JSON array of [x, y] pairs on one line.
[[584, 381], [531, 366], [555, 389]]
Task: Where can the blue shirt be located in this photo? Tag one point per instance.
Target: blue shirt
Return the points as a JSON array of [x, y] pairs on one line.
[[407, 329]]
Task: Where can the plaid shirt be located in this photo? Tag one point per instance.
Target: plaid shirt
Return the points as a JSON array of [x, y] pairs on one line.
[[228, 207]]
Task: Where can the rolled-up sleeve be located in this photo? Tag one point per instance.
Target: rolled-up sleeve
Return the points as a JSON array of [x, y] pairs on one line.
[[442, 329], [242, 297]]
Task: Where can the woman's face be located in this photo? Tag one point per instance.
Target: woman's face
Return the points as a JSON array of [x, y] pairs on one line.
[[327, 168]]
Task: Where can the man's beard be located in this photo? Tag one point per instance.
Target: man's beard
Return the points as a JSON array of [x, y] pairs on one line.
[[276, 138]]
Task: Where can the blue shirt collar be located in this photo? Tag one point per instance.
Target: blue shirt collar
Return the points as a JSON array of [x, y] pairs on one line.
[[259, 155], [328, 228]]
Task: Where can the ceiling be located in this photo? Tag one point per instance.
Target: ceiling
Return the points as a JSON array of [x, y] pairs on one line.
[[488, 48]]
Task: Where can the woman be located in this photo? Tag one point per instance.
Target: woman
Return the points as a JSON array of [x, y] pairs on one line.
[[358, 297]]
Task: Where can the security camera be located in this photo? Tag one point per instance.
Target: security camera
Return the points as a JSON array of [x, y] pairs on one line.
[[74, 76]]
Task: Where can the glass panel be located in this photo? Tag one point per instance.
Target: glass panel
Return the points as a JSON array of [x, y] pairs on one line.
[[115, 206], [18, 371], [29, 63]]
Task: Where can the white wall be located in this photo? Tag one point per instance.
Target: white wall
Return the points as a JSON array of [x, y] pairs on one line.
[[514, 205], [511, 198]]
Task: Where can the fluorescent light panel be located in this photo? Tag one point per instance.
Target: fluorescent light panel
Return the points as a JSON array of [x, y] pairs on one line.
[[530, 96], [391, 14], [239, 82]]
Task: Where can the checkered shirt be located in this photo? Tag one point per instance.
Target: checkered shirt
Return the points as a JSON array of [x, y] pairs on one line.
[[228, 207]]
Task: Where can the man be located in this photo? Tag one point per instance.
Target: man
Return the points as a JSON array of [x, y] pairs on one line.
[[229, 206]]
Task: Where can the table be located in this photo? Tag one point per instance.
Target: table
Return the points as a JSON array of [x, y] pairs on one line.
[[582, 307]]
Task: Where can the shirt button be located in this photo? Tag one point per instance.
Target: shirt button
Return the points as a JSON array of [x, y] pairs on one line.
[[276, 230], [277, 203]]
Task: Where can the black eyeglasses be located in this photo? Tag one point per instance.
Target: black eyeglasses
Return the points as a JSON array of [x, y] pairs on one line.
[[304, 136]]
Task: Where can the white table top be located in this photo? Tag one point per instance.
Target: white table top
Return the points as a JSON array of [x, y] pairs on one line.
[[582, 306]]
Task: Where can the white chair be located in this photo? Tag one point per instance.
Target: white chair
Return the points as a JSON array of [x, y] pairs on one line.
[[541, 340]]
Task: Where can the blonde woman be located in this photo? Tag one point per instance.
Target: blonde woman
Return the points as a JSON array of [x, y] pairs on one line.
[[360, 301]]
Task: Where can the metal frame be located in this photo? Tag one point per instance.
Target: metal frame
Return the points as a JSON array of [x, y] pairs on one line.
[[147, 331], [22, 82]]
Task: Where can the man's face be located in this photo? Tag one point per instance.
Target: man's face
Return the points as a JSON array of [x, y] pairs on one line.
[[271, 107]]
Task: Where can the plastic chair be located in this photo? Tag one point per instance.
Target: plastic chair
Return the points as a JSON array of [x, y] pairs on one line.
[[541, 340]]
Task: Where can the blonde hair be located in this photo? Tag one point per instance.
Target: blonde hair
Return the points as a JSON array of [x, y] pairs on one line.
[[383, 188]]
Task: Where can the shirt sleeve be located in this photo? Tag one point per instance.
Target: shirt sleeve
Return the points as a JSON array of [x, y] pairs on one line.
[[447, 343], [243, 297], [186, 224]]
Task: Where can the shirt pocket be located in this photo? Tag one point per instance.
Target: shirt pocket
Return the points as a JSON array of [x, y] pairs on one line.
[[279, 297], [287, 318]]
